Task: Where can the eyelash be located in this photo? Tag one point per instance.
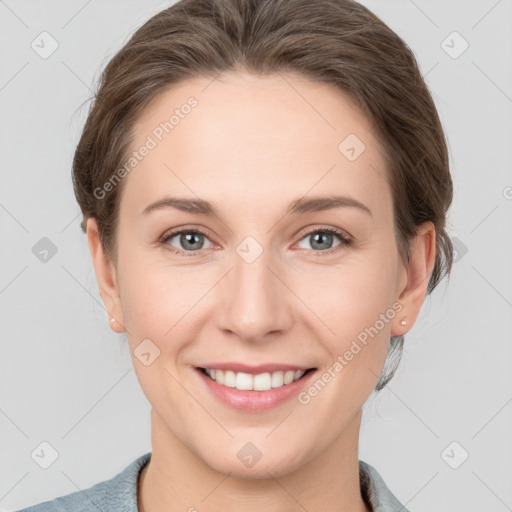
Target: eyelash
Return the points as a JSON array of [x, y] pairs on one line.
[[344, 239]]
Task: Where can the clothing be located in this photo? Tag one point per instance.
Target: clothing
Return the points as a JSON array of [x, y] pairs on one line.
[[119, 494]]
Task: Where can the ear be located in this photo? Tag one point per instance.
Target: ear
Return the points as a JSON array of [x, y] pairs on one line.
[[106, 277], [418, 271]]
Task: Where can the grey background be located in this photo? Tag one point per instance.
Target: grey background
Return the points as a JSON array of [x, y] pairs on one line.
[[67, 379]]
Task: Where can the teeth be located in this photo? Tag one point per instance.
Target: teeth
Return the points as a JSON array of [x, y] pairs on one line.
[[259, 382]]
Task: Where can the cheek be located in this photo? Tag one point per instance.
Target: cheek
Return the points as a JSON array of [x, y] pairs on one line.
[[354, 303], [158, 305], [360, 316], [350, 298], [159, 300]]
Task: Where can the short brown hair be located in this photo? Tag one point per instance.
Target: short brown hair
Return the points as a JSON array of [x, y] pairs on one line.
[[339, 42]]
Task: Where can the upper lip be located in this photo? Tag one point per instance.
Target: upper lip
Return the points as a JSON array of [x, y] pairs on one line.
[[261, 368]]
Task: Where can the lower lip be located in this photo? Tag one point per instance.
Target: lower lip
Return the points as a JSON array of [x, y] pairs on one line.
[[249, 400]]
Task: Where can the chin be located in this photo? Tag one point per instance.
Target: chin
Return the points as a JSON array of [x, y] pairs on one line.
[[261, 467]]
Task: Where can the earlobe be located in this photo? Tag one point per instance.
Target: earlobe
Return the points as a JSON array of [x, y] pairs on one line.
[[106, 277], [418, 271]]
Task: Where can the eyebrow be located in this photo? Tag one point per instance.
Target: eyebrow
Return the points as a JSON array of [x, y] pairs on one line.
[[302, 205]]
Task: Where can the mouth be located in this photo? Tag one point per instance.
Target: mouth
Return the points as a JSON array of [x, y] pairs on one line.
[[254, 392], [259, 382]]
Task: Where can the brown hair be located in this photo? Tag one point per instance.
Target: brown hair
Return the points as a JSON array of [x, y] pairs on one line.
[[339, 42]]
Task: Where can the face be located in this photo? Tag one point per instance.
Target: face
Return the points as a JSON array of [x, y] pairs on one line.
[[267, 272]]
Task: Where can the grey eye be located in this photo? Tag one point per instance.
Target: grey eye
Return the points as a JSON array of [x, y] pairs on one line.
[[189, 241], [321, 240]]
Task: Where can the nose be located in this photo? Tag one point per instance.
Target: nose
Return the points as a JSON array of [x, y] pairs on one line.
[[255, 303]]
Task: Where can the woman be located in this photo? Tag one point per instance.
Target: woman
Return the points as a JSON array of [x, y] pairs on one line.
[[264, 186]]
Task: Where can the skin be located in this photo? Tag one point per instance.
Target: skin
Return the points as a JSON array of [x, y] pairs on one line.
[[251, 147]]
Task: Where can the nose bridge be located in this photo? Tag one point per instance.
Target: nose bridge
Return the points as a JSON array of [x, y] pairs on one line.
[[254, 299]]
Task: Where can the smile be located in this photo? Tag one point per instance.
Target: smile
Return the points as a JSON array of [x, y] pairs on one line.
[[259, 382]]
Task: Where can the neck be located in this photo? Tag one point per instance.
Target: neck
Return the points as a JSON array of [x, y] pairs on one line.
[[176, 479]]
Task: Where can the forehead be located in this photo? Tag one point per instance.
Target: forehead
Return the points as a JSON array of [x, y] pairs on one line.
[[247, 138]]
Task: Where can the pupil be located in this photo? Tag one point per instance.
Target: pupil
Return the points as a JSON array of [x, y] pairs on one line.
[[187, 240], [321, 236]]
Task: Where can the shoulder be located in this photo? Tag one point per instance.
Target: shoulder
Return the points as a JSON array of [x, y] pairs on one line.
[[375, 492], [119, 494]]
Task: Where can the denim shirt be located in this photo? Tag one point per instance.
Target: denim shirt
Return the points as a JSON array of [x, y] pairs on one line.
[[119, 494]]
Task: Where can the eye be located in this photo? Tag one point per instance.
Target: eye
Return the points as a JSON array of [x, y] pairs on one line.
[[191, 241], [321, 240]]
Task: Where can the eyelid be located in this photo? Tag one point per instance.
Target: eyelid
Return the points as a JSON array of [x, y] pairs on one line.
[[329, 229]]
